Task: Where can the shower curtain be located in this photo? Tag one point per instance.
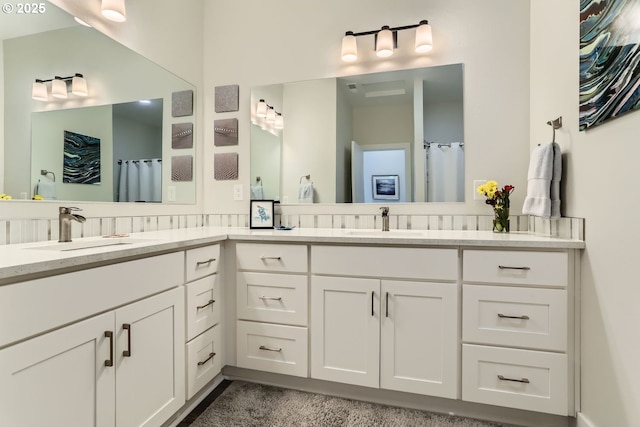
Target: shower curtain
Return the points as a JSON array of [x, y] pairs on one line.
[[140, 180], [445, 173]]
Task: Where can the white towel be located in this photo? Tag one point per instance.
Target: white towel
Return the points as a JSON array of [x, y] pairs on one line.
[[47, 189], [543, 188], [257, 192], [305, 193]]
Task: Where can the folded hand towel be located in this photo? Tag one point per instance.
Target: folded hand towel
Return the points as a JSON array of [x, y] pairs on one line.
[[257, 192], [47, 189], [545, 170], [305, 193]]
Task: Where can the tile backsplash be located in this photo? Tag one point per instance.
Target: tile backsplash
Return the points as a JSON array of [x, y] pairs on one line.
[[13, 231]]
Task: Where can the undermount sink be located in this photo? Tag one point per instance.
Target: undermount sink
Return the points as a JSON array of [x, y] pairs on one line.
[[380, 233], [90, 244]]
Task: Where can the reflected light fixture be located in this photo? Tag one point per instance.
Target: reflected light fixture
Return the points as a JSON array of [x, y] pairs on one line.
[[81, 22], [268, 117], [386, 39], [59, 90], [114, 10]]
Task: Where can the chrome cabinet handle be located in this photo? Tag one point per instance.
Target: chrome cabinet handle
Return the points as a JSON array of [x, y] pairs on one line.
[[127, 327], [506, 267], [521, 380], [504, 316], [109, 361], [270, 298], [207, 262], [387, 305], [265, 258], [207, 359], [262, 347], [200, 307], [373, 294]]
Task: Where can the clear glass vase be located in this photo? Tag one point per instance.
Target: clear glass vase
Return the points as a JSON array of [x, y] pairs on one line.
[[501, 223]]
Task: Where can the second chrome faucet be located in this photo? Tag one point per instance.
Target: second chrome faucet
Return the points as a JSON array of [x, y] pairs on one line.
[[385, 218], [64, 222]]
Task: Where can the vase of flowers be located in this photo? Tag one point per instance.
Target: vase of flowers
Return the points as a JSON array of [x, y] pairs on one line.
[[499, 201]]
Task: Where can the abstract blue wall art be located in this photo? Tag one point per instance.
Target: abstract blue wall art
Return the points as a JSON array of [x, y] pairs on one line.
[[81, 164], [609, 60]]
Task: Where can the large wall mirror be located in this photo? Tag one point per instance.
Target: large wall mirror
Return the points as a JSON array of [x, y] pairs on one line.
[[386, 137], [126, 125]]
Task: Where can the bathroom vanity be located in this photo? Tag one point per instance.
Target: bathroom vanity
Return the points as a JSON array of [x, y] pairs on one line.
[[138, 329]]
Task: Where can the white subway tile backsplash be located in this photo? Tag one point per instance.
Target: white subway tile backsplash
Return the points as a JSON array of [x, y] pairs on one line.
[[14, 231]]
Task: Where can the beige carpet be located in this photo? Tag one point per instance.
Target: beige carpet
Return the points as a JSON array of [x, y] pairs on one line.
[[247, 404]]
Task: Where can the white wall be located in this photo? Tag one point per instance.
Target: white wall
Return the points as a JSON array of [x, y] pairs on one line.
[[298, 48], [599, 184], [1, 117]]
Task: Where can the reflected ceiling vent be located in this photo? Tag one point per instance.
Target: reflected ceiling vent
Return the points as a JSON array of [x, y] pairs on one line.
[[394, 88], [352, 87]]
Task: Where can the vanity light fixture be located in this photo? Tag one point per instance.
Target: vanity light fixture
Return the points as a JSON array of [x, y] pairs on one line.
[[268, 117], [386, 39], [114, 10], [59, 84]]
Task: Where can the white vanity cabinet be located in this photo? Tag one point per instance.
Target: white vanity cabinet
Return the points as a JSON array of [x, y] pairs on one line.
[[121, 367], [203, 313], [518, 341], [272, 307], [373, 324]]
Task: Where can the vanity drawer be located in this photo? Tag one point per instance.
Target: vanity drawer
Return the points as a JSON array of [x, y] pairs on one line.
[[203, 304], [202, 261], [516, 267], [273, 348], [518, 317], [204, 360], [271, 257], [371, 261], [276, 298], [523, 379]]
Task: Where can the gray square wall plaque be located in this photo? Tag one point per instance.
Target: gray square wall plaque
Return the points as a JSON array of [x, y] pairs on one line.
[[182, 135], [182, 103], [225, 132], [225, 166], [227, 98]]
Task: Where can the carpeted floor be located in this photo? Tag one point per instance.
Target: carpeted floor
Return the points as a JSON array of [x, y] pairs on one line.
[[240, 403]]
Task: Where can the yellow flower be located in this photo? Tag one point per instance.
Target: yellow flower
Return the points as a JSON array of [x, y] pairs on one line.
[[5, 197], [38, 197]]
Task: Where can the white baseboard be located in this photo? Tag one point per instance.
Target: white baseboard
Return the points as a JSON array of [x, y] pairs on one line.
[[583, 421]]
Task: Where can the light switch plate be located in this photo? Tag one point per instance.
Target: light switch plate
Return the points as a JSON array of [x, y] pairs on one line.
[[237, 192], [477, 183], [171, 193]]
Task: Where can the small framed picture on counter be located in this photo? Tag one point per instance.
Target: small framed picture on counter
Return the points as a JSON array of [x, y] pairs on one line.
[[261, 214]]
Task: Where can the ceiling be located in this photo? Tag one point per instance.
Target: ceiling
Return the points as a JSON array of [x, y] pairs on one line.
[[17, 25]]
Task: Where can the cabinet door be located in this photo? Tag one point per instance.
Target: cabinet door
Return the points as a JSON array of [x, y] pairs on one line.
[[345, 330], [419, 343], [150, 381], [60, 378]]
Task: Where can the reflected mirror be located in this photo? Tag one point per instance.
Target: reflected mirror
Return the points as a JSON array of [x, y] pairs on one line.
[[386, 137], [105, 132]]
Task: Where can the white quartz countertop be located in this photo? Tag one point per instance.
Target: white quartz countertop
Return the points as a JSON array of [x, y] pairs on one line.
[[23, 261]]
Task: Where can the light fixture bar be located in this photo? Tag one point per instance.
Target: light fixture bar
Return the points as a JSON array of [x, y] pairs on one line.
[[59, 87]]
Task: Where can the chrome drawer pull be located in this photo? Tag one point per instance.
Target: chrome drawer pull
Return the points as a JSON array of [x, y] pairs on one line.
[[264, 258], [271, 298], [207, 359], [109, 361], [200, 307], [207, 262], [521, 380], [504, 316], [506, 267], [262, 347]]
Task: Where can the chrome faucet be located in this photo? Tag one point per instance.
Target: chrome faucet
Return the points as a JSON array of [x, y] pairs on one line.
[[385, 218], [64, 222]]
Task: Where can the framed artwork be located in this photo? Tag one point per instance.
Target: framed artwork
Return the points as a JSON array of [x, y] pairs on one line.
[[609, 61], [81, 159], [225, 132], [385, 187], [182, 103], [261, 214], [181, 135], [226, 98], [225, 166]]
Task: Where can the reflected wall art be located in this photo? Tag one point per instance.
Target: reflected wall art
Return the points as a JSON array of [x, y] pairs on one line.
[[81, 160], [609, 57]]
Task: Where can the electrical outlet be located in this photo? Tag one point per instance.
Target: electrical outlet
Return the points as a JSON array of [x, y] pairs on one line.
[[477, 183], [237, 192], [171, 193]]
